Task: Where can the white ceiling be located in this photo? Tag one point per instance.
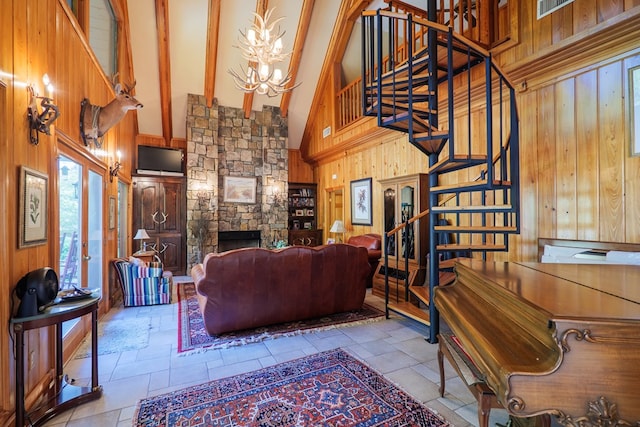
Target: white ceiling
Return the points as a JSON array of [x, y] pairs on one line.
[[187, 38]]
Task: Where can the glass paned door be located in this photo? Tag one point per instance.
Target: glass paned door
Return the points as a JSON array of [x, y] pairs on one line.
[[93, 253], [81, 230], [70, 193], [123, 196]]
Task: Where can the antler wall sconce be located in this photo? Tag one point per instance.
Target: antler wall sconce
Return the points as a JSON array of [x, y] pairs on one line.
[[39, 121], [113, 170]]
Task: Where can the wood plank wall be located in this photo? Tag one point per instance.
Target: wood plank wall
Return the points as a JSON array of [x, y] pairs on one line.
[[578, 178], [38, 37]]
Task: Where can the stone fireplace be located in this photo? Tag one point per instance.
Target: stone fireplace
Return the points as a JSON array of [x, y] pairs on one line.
[[222, 142]]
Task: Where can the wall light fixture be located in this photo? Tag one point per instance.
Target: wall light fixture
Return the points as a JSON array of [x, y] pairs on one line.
[[41, 119], [113, 170]]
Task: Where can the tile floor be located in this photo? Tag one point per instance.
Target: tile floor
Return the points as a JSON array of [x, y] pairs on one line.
[[395, 347]]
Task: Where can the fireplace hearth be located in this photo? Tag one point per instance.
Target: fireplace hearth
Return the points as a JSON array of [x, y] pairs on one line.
[[228, 240]]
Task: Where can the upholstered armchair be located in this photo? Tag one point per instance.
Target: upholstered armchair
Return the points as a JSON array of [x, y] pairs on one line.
[[373, 243], [143, 283]]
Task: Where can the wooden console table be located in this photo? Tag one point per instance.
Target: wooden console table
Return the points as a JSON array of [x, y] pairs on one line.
[[146, 256], [63, 395]]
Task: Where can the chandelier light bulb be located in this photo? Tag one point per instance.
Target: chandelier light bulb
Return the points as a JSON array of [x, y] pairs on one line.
[[277, 75], [263, 50], [264, 72], [277, 46], [251, 36]]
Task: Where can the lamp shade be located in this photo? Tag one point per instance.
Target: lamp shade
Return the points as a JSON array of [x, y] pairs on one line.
[[337, 227], [141, 234]]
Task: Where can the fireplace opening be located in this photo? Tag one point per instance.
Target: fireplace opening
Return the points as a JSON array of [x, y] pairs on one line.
[[228, 240]]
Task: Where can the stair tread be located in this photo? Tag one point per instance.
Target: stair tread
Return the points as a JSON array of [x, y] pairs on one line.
[[470, 247], [388, 108], [419, 64], [431, 145], [458, 161], [472, 208], [421, 292], [428, 135], [412, 311], [469, 185], [475, 228], [399, 80]]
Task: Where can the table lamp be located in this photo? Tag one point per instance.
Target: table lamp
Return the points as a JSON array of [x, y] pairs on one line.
[[142, 235], [338, 227]]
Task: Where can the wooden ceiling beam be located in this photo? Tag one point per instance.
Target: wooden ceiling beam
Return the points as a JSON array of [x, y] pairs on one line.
[[162, 27], [247, 103], [296, 56], [213, 30]]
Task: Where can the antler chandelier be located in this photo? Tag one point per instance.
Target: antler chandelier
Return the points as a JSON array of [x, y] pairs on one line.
[[262, 50]]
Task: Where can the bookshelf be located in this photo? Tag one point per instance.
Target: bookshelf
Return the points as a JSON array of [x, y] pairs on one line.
[[303, 218]]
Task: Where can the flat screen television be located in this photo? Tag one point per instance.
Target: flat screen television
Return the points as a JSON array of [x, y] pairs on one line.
[[160, 160]]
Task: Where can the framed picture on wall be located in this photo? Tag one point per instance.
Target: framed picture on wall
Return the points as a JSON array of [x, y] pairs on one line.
[[239, 189], [33, 208], [361, 205]]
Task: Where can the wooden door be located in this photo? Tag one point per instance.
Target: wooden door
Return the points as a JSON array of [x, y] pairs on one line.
[[159, 206]]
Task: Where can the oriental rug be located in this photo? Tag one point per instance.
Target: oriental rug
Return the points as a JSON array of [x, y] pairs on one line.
[[326, 389], [193, 337]]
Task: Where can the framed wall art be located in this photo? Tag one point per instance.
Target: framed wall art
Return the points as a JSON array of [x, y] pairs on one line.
[[239, 189], [361, 205], [33, 208]]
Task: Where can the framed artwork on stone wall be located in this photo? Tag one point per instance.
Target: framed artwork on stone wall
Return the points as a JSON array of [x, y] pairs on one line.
[[239, 189]]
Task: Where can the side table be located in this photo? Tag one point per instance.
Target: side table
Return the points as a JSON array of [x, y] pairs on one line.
[[62, 396], [146, 256]]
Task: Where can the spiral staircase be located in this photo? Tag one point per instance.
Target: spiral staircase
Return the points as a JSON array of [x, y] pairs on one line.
[[458, 108]]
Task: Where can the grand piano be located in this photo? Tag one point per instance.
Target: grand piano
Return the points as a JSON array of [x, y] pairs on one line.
[[559, 339]]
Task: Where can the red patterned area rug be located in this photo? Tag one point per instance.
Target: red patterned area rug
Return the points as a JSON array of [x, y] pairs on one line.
[[193, 337], [326, 389]]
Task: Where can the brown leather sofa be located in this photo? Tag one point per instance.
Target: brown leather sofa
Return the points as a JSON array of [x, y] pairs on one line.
[[252, 287], [373, 243]]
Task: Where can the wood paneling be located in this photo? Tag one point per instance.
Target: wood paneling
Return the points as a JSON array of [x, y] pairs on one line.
[[299, 171], [38, 37]]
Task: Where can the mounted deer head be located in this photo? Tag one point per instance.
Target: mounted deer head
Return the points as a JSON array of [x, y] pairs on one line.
[[95, 121]]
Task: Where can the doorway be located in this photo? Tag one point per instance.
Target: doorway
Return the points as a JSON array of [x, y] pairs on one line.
[[81, 259], [335, 211]]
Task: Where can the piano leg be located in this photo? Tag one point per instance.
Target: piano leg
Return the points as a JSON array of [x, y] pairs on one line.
[[465, 368], [539, 421], [441, 366]]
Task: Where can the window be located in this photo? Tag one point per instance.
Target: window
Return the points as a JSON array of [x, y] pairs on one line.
[[103, 34]]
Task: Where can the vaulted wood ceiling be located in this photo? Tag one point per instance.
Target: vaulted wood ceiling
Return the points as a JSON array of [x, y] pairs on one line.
[[187, 46]]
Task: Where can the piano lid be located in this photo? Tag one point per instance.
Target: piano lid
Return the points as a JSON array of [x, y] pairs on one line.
[[568, 290]]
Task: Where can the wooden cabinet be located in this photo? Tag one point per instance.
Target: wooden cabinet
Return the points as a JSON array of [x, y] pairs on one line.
[[404, 197], [303, 218], [160, 207]]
